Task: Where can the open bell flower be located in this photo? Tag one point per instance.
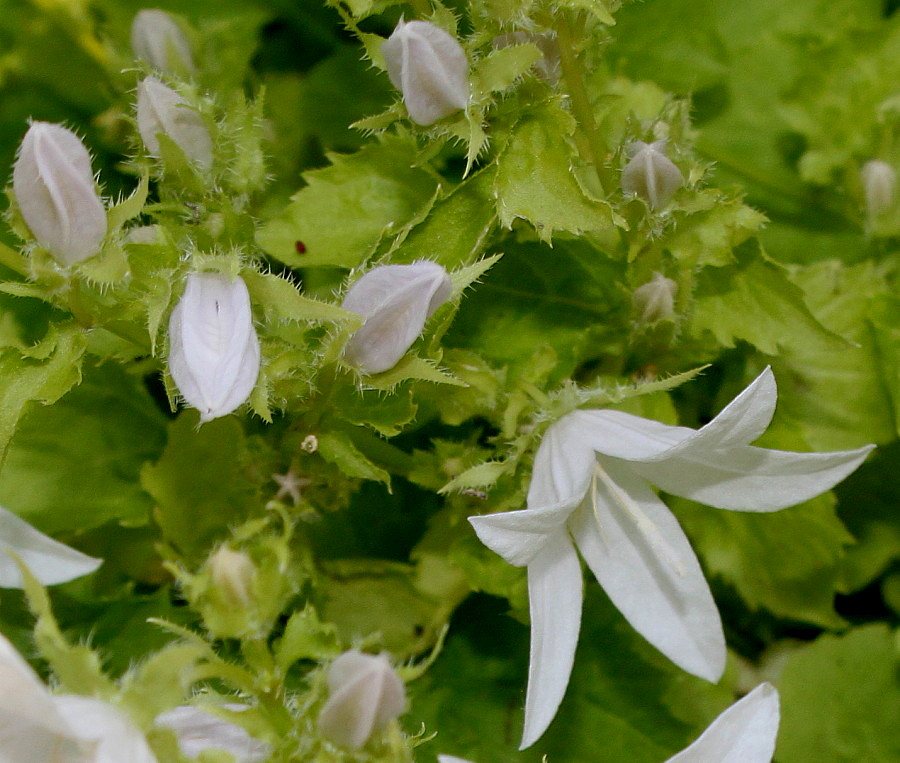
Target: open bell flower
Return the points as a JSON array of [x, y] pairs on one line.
[[651, 174], [395, 300], [213, 347], [590, 488], [36, 725], [429, 67], [54, 187]]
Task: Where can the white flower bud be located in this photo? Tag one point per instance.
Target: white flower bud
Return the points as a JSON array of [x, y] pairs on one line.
[[157, 39], [651, 174], [655, 300], [54, 188], [232, 573], [365, 694], [430, 68], [395, 300], [161, 110], [879, 181], [198, 731], [213, 348]]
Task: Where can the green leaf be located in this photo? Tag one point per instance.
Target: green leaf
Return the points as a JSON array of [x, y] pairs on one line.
[[457, 227], [74, 466], [500, 68], [42, 373], [306, 637], [337, 447], [411, 367], [534, 180], [160, 682], [345, 209], [839, 699], [128, 208], [281, 300], [199, 483], [754, 301]]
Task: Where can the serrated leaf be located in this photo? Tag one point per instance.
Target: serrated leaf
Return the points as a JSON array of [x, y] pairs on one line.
[[479, 476], [500, 68], [161, 682], [412, 367], [337, 447], [306, 637], [129, 207], [346, 208], [534, 180], [281, 300]]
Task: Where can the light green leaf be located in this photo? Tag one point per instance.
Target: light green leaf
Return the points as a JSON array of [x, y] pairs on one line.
[[306, 637], [337, 447], [534, 180], [345, 209], [281, 300], [500, 68], [839, 699]]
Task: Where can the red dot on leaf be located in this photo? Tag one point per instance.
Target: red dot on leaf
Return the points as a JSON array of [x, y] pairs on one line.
[[300, 247]]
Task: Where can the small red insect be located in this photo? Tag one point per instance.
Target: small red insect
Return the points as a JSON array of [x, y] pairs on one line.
[[300, 247]]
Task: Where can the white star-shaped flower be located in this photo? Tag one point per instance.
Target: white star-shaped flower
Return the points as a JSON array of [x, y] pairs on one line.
[[289, 484], [590, 488]]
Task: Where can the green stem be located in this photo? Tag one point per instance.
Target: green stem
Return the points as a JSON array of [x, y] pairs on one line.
[[590, 144]]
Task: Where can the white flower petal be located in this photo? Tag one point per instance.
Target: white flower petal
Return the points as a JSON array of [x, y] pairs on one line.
[[395, 300], [50, 561], [198, 730], [563, 464], [555, 592], [30, 726], [642, 558], [518, 536], [104, 728], [744, 733], [157, 39], [452, 759], [651, 174], [161, 110], [633, 438], [213, 348], [751, 479]]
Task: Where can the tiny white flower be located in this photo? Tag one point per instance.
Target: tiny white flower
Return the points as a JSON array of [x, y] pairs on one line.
[[157, 39], [213, 348], [395, 300], [161, 110], [36, 725], [54, 187], [429, 67], [879, 181], [590, 487], [365, 694], [655, 300], [744, 733], [50, 561], [198, 730], [651, 174]]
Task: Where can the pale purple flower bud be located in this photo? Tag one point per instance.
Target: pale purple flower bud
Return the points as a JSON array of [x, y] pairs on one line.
[[655, 300], [651, 174], [54, 188], [430, 68], [879, 181], [365, 694], [395, 300], [161, 110], [213, 347], [157, 39]]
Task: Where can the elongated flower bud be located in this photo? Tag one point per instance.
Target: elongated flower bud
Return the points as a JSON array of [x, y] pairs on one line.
[[655, 300], [395, 300], [651, 174], [157, 39], [161, 110], [365, 694], [430, 68], [54, 188], [213, 348], [879, 181]]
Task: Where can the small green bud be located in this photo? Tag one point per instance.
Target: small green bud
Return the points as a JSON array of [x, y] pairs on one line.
[[879, 180]]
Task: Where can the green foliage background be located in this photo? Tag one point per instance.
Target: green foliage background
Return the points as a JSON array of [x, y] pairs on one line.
[[770, 110]]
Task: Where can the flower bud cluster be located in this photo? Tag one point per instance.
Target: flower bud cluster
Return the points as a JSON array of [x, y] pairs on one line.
[[429, 67]]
